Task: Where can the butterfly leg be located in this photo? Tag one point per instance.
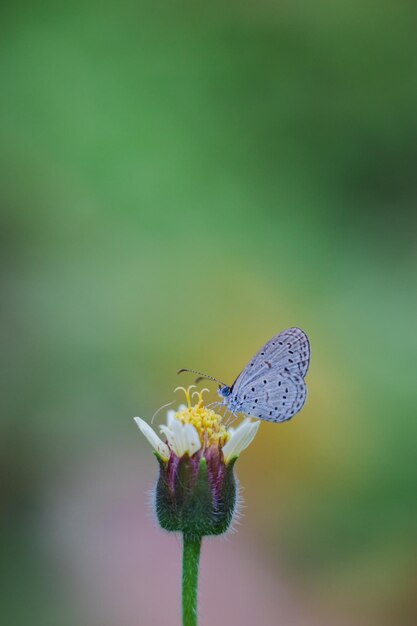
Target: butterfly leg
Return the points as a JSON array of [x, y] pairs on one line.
[[216, 407], [231, 419]]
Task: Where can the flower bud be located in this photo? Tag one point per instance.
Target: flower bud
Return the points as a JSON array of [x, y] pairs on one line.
[[197, 492], [196, 495]]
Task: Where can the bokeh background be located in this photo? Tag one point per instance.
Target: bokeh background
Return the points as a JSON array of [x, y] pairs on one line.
[[179, 182]]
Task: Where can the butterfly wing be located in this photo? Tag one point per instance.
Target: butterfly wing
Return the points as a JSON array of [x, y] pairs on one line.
[[287, 352], [276, 397], [272, 387]]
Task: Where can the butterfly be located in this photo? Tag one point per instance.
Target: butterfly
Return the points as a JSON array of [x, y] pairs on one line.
[[271, 387]]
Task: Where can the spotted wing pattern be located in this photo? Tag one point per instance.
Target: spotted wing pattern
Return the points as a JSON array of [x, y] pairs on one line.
[[272, 387]]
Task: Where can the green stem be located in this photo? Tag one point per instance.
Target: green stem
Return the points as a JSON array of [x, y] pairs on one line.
[[190, 561]]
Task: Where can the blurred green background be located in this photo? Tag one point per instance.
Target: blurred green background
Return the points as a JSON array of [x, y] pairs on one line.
[[178, 183]]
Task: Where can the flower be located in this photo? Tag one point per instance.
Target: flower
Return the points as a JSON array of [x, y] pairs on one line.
[[194, 428], [197, 492]]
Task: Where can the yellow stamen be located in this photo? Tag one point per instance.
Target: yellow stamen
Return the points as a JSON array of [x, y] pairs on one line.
[[187, 393], [207, 423], [199, 394]]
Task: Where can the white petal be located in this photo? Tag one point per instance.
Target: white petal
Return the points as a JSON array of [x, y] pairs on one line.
[[193, 440], [182, 438], [156, 443], [241, 438], [170, 416], [171, 413], [168, 434], [176, 439]]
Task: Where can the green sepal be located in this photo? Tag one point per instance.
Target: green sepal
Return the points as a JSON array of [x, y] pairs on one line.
[[191, 501], [159, 458], [226, 504]]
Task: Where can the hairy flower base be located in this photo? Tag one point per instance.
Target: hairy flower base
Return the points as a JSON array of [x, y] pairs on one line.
[[196, 495]]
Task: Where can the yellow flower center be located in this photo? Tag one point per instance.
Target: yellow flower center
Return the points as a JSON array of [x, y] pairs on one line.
[[207, 423]]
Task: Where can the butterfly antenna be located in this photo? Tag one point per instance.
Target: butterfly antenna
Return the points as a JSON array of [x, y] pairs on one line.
[[202, 376]]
